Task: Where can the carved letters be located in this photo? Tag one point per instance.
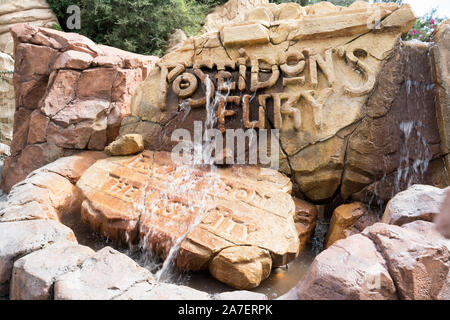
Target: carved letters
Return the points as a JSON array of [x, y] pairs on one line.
[[295, 68]]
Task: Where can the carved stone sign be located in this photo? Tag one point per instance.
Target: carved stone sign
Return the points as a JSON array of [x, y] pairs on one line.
[[307, 71], [149, 198]]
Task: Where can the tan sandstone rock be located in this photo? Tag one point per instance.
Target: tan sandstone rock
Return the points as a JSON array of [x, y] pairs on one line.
[[34, 275], [241, 267], [237, 207], [18, 239], [305, 221], [343, 219], [103, 276], [311, 71], [49, 193], [126, 145], [232, 11], [419, 202], [71, 95]]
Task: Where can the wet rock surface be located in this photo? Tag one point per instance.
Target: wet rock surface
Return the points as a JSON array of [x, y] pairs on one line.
[[213, 212]]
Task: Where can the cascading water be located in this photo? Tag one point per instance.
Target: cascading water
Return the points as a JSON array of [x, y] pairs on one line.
[[414, 150]]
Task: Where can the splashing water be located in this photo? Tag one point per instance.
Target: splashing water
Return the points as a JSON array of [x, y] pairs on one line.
[[182, 186]]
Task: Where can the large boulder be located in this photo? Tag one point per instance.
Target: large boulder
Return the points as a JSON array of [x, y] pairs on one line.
[[71, 95], [243, 217], [21, 238], [419, 202], [322, 76], [383, 262], [33, 12], [351, 269], [105, 275], [49, 192], [35, 274], [418, 263]]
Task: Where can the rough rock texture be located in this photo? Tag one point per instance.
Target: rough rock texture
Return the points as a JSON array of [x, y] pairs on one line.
[[351, 269], [241, 267], [305, 221], [151, 198], [103, 276], [419, 202], [126, 145], [71, 95], [441, 67], [233, 11], [49, 193], [443, 218], [32, 12], [409, 263], [20, 238], [332, 86], [34, 275], [418, 264], [149, 290], [7, 101], [343, 219]]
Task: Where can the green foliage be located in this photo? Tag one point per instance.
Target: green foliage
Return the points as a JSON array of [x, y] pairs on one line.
[[141, 26]]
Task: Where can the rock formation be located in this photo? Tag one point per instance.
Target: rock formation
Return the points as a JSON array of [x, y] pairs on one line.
[[419, 202], [349, 219], [233, 11], [71, 95], [321, 75], [33, 12], [237, 221], [385, 262], [441, 57], [7, 100]]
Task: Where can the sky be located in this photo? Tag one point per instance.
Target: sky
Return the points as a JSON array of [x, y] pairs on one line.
[[422, 7]]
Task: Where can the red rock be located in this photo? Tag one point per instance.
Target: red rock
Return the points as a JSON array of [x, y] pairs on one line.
[[37, 132], [34, 60], [61, 92], [20, 131], [97, 82], [31, 158], [73, 167], [84, 105], [73, 60], [75, 136]]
